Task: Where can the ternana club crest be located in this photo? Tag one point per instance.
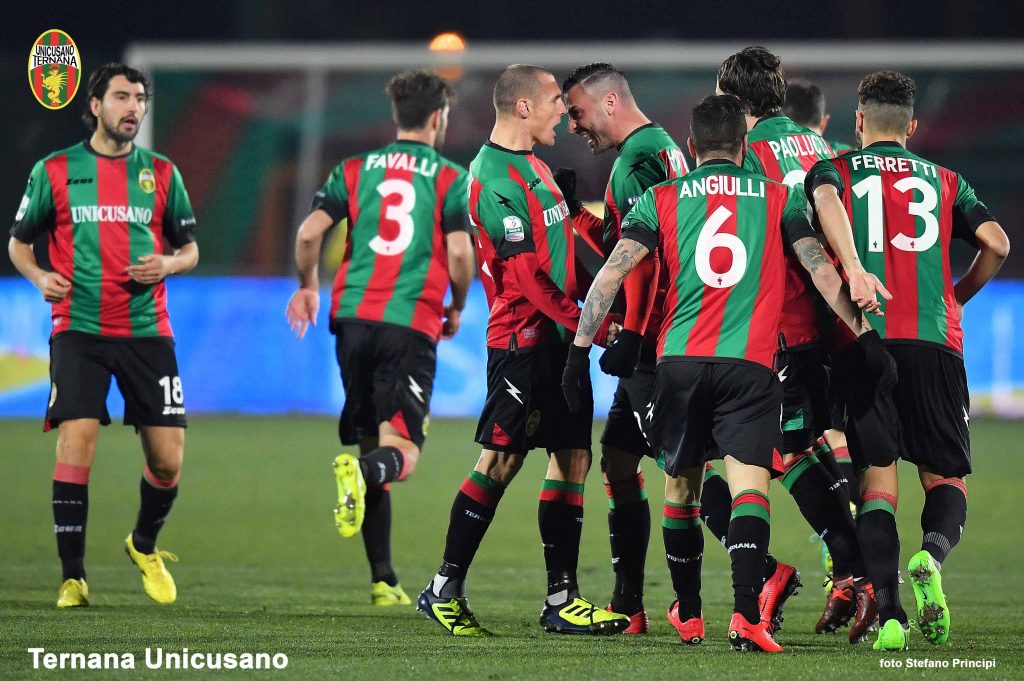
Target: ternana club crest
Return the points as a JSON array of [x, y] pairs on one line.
[[54, 69]]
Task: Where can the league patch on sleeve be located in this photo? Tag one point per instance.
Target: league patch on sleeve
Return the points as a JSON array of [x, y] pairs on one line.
[[513, 228]]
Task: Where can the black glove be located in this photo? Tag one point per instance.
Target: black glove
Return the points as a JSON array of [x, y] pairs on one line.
[[565, 178], [579, 394], [880, 363], [622, 356]]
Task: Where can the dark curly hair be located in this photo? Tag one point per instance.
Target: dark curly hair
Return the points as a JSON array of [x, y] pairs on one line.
[[755, 76], [887, 100], [805, 102]]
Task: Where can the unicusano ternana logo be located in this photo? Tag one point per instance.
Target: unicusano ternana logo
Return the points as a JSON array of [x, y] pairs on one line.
[[54, 69]]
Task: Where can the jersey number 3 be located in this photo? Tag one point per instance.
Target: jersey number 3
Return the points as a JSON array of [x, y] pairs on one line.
[[399, 213]]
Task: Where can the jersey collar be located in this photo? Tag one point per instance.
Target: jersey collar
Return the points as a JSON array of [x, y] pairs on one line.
[[717, 162], [767, 117], [520, 152], [885, 143], [630, 135], [422, 144], [88, 147]]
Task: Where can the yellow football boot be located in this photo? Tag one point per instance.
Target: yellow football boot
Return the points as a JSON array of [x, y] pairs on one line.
[[351, 508], [384, 595], [74, 593], [156, 579]]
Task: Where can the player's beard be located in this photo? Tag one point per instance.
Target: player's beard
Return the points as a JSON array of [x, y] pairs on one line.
[[114, 133]]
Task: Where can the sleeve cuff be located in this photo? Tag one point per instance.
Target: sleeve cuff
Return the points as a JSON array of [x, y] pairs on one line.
[[641, 234], [321, 202]]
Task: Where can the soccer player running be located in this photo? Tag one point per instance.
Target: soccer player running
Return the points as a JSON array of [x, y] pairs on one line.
[[408, 238], [720, 231], [904, 210], [524, 240], [603, 112], [109, 209], [783, 151]]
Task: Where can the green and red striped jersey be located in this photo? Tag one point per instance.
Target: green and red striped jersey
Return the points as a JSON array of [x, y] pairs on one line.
[[719, 230], [400, 201], [102, 213], [783, 151], [648, 156], [517, 208], [904, 211]]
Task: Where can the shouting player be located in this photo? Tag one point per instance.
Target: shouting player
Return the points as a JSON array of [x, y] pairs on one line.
[[525, 249], [408, 238], [109, 209], [783, 151], [603, 112], [720, 231], [904, 210]]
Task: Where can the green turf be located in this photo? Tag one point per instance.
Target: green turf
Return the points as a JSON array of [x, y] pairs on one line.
[[263, 569]]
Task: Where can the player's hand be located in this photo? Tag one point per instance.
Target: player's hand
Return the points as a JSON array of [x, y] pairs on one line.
[[53, 286], [880, 363], [579, 393], [565, 178], [863, 287], [151, 269], [302, 309], [623, 355], [452, 322]]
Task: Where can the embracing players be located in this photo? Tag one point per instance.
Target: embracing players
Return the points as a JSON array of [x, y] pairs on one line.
[[603, 112], [109, 209], [408, 238], [720, 231], [904, 211], [524, 240]]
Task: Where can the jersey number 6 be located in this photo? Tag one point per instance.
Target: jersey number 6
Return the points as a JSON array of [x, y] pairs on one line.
[[710, 239]]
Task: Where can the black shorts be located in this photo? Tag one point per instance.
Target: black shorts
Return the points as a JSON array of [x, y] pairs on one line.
[[870, 418], [806, 406], [707, 409], [146, 371], [525, 407], [627, 417], [388, 375], [933, 406]]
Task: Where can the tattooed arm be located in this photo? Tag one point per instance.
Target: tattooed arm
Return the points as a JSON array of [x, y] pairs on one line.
[[828, 282], [624, 258]]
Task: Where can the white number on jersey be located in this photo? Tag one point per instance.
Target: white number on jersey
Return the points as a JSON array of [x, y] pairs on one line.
[[871, 186], [710, 239], [397, 213]]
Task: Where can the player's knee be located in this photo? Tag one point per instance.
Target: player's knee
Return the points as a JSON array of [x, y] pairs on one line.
[[76, 443], [617, 465], [164, 472], [499, 466]]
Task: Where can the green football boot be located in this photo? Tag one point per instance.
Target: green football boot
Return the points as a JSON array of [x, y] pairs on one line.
[[579, 616], [893, 636], [932, 611]]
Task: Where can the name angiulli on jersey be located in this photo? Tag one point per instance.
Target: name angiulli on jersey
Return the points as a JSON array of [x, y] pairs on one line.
[[721, 185]]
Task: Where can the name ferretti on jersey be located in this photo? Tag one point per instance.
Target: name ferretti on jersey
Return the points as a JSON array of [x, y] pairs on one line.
[[722, 185], [80, 214], [556, 214], [893, 164], [399, 160], [795, 146]]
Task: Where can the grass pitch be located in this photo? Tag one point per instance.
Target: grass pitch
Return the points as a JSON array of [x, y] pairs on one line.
[[264, 570]]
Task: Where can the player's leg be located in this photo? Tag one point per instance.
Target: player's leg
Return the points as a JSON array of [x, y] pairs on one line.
[[747, 403], [444, 598], [933, 402], [147, 375], [567, 438], [623, 445], [79, 382], [506, 426], [880, 545], [684, 551], [76, 450], [747, 544], [833, 450]]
